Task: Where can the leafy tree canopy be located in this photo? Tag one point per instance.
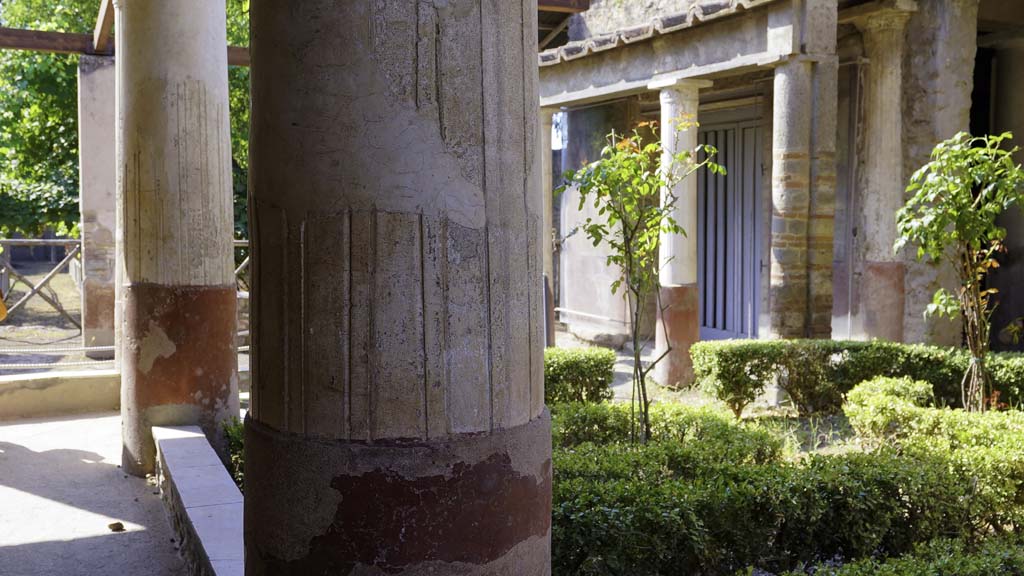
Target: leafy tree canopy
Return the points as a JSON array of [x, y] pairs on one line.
[[39, 117]]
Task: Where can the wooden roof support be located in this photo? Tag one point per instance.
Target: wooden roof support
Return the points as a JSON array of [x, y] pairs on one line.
[[38, 41], [568, 6], [68, 43], [104, 24], [554, 33]]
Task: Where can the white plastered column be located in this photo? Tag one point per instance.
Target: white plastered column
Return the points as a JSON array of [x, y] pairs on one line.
[[679, 321]]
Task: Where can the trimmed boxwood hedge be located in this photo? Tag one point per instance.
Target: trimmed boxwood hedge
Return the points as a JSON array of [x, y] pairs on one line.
[[945, 557], [578, 374], [663, 509], [818, 373]]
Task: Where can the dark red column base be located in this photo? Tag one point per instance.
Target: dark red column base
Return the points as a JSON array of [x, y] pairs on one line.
[[179, 365], [679, 326], [472, 504]]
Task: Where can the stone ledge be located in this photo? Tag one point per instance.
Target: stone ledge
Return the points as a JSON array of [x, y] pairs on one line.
[[202, 501], [59, 393]]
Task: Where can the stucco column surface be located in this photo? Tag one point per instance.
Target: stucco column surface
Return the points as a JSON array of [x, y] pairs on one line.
[[175, 215], [97, 199], [397, 422], [882, 277], [678, 324]]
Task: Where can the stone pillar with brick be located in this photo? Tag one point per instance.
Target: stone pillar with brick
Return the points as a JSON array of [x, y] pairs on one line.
[[678, 321], [97, 167], [179, 363], [882, 273], [791, 173], [397, 422]]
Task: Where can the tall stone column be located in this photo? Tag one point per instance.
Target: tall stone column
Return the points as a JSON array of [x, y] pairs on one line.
[[397, 422], [791, 198], [822, 208], [97, 167], [679, 322], [882, 275], [179, 364]]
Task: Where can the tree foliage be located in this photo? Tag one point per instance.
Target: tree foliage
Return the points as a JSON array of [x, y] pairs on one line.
[[39, 117], [631, 186], [957, 197]]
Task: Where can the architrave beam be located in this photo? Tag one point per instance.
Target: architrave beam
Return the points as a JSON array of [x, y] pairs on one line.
[[568, 6], [72, 43], [104, 25]]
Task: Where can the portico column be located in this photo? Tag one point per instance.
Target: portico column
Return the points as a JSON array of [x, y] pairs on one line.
[[678, 324], [791, 192], [174, 177], [397, 422], [547, 219], [97, 168], [882, 278]]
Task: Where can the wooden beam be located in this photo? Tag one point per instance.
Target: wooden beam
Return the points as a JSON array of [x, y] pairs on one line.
[[568, 6], [68, 43], [37, 41], [104, 24], [553, 34]]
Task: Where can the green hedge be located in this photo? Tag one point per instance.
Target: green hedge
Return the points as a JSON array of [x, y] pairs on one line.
[[662, 509], [718, 436], [899, 410], [578, 374], [946, 557], [817, 373]]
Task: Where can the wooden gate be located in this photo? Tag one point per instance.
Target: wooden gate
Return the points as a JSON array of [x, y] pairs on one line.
[[728, 229]]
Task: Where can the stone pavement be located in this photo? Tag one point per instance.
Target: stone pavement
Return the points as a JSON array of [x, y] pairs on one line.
[[60, 488]]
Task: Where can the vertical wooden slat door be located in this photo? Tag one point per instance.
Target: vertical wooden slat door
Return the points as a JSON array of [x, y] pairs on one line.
[[727, 231]]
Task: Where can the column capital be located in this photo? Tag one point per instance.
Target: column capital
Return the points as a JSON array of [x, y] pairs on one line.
[[893, 17], [679, 84]]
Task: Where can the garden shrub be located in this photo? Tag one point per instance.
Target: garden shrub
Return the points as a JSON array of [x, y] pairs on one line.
[[713, 430], [234, 433], [659, 509], [998, 555], [578, 374], [817, 373], [899, 410]]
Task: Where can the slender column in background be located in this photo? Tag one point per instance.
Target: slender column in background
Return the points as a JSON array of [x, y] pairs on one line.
[[882, 290], [547, 179], [398, 422], [97, 111], [179, 363], [678, 324]]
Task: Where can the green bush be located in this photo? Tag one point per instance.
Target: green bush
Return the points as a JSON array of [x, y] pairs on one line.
[[817, 373], [717, 435], [881, 408], [899, 410], [999, 555], [234, 432], [578, 374], [663, 509]]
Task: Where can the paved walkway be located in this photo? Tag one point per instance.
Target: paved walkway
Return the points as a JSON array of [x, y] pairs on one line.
[[60, 488]]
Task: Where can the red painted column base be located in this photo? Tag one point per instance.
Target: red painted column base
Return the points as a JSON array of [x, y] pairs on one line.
[[678, 327]]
